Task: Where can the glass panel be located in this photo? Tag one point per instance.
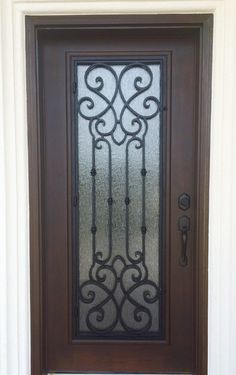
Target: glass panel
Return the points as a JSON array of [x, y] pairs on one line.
[[117, 290]]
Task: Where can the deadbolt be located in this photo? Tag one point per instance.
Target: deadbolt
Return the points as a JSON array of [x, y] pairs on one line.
[[184, 201]]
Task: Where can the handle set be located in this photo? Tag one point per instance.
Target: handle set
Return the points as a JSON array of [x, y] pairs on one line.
[[184, 227]]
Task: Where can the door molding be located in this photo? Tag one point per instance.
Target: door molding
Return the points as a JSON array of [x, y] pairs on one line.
[[204, 25], [14, 201]]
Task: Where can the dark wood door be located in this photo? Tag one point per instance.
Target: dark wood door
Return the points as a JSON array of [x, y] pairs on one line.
[[118, 117]]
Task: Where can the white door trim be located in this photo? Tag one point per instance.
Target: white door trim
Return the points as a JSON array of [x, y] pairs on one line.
[[14, 201]]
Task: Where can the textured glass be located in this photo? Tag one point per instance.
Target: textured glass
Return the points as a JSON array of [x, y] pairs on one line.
[[118, 162]]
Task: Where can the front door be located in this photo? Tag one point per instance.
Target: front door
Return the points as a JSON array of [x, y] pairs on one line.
[[118, 123]]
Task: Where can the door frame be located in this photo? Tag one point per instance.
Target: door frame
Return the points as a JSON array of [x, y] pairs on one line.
[[204, 24]]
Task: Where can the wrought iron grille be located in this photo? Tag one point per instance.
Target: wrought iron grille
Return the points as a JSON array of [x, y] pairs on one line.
[[118, 291]]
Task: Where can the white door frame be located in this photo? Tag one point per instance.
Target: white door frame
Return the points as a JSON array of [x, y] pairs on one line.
[[14, 199]]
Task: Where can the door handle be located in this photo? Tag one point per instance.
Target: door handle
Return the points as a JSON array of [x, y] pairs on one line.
[[184, 228]]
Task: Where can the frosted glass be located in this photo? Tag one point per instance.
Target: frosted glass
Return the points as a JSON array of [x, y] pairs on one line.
[[118, 276]]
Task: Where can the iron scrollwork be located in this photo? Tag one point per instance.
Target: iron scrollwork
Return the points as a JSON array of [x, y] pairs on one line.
[[108, 272]]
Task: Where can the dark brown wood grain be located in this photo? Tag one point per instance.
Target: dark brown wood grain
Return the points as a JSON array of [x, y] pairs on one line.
[[50, 43]]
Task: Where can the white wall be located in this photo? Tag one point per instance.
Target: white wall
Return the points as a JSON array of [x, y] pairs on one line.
[[14, 222]]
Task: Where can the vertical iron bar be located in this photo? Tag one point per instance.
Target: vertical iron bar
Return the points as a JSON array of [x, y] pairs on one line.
[[162, 182], [75, 171], [110, 205], [93, 199], [127, 196], [143, 199]]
